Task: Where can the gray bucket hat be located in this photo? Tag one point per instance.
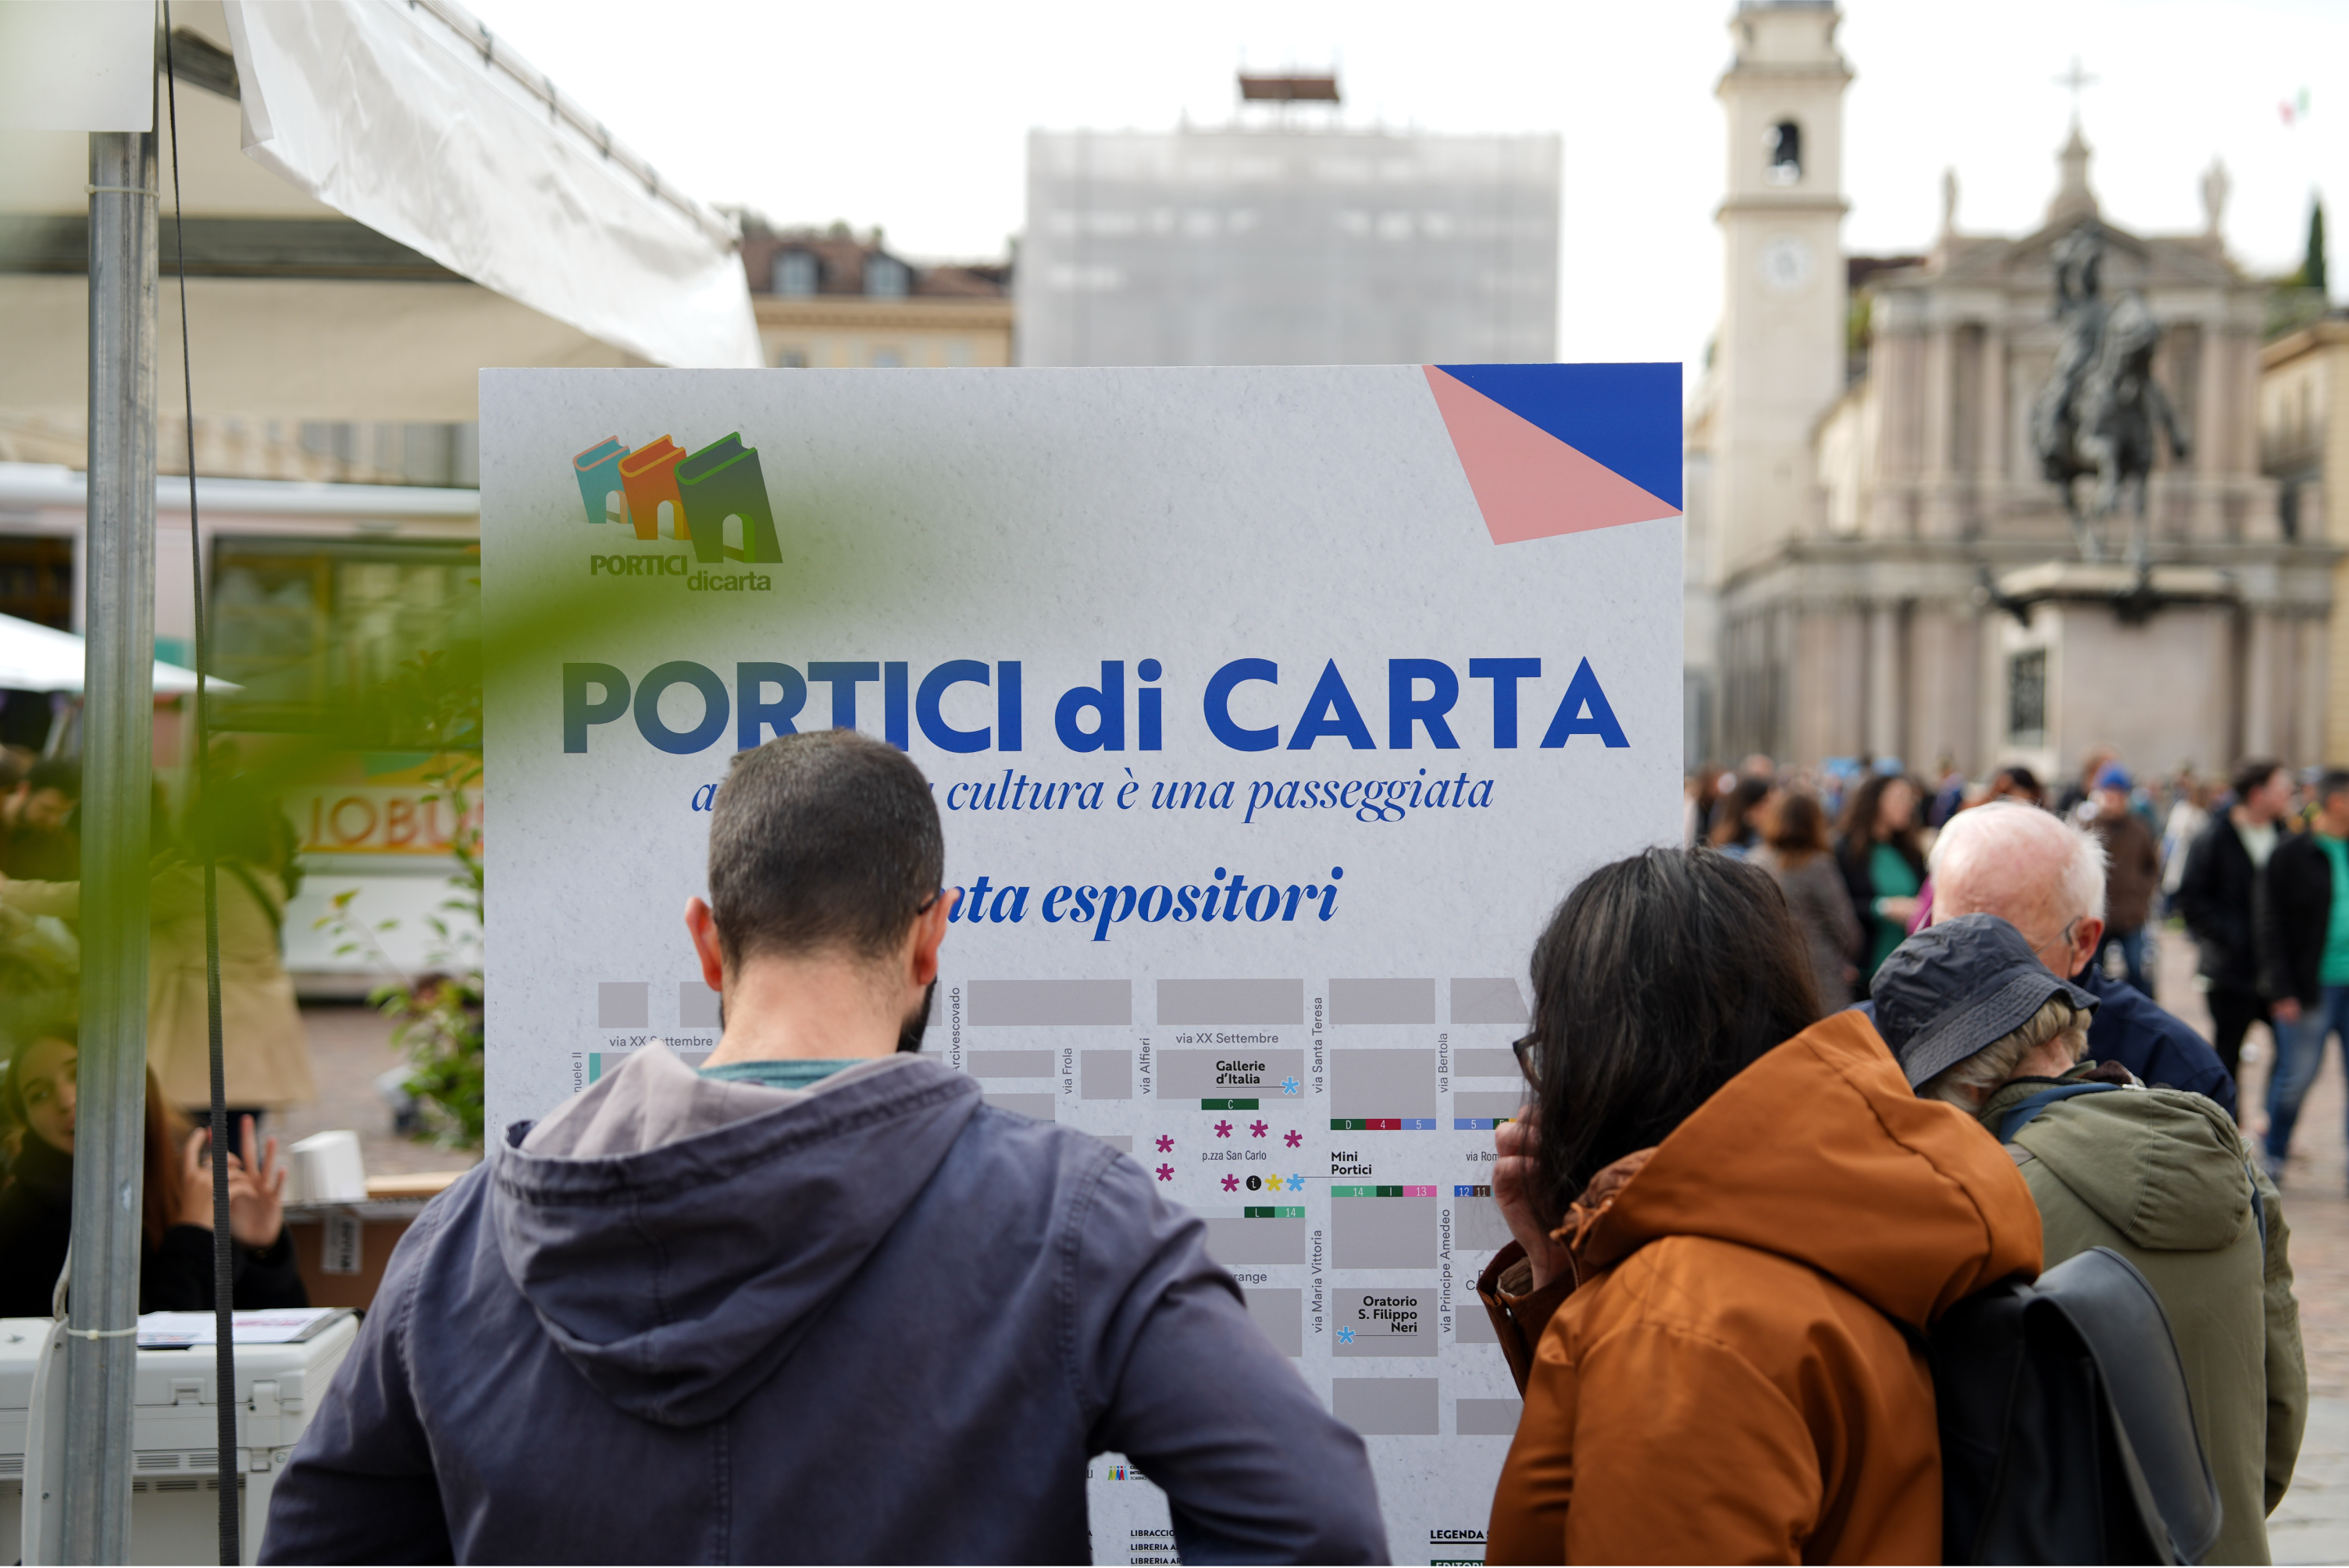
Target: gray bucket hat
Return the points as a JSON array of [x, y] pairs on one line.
[[1957, 986]]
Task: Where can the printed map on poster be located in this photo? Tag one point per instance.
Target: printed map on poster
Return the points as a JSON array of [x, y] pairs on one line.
[[1269, 712]]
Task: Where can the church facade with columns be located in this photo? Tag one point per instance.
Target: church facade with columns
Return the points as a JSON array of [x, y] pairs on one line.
[[1879, 566]]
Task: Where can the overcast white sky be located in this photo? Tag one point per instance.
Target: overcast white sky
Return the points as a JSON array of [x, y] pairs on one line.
[[913, 115]]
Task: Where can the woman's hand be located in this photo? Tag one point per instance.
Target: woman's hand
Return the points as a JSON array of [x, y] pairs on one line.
[[1514, 1175], [1898, 909], [257, 1190]]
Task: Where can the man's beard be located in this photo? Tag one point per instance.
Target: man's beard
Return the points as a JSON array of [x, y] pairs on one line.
[[909, 1036]]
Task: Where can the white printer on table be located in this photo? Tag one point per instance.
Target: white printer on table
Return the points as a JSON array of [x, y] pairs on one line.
[[175, 1493]]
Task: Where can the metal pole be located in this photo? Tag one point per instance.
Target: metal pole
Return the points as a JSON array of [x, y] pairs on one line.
[[118, 743]]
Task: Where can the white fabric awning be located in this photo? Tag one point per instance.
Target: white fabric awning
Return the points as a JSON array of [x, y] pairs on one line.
[[405, 117], [35, 658]]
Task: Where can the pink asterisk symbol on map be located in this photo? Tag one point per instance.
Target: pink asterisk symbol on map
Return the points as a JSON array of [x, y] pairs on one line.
[[1293, 1139], [1165, 1146], [1223, 1130], [1166, 1172], [1231, 1183], [1258, 1129]]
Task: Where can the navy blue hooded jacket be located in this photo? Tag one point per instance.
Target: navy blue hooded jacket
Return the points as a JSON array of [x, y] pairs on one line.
[[872, 1322]]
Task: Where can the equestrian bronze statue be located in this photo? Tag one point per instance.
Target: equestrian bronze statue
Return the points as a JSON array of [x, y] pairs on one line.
[[2096, 416]]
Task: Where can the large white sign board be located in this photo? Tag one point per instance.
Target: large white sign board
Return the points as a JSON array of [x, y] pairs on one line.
[[1268, 712]]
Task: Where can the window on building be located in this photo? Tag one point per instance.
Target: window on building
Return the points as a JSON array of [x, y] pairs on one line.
[[886, 277], [795, 272], [791, 358], [2026, 698], [329, 631], [1784, 144]]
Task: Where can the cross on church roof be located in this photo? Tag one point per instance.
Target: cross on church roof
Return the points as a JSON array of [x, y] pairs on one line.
[[2075, 78]]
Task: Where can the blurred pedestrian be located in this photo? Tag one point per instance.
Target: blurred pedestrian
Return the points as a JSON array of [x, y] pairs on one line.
[[2190, 814], [2132, 876], [1701, 790], [2160, 1176], [37, 837], [37, 1103], [1733, 1226], [2303, 942], [2045, 877], [1794, 851], [263, 1047], [2094, 761], [1948, 796], [1882, 862], [2016, 782], [2217, 895], [1736, 826]]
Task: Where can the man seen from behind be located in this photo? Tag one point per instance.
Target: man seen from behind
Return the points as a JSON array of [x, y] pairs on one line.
[[815, 1301]]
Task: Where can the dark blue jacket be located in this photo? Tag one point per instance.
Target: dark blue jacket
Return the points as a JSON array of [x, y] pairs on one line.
[[883, 1323], [2131, 1028]]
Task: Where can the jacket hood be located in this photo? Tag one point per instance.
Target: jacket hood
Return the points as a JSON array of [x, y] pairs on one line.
[[1821, 1153], [2164, 1167], [677, 1277]]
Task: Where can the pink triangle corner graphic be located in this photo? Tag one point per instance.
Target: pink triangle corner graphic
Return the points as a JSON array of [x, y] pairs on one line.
[[1528, 483]]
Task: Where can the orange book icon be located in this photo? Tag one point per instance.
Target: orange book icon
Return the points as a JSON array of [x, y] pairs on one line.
[[648, 477]]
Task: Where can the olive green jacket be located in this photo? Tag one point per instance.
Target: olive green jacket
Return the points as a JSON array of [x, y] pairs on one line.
[[2164, 1179]]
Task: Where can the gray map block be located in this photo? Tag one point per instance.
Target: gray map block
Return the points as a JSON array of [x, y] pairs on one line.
[[1385, 1406], [1281, 1313], [1045, 1003], [1234, 1241], [1231, 1073], [1231, 1002], [1481, 1061], [624, 1005], [1487, 1002], [1105, 1075], [1039, 1106], [1381, 1083], [1010, 1064], [1486, 1102], [1123, 1143], [1382, 1001], [1380, 1233], [1384, 1322], [1472, 1325], [696, 1006], [1478, 1228], [1487, 1418]]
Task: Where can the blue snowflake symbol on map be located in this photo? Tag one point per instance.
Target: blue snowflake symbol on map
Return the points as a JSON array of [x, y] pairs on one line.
[[1345, 1336], [1288, 1086], [1296, 1183]]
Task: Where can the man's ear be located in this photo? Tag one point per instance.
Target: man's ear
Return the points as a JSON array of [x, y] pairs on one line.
[[2088, 937], [702, 926], [929, 931]]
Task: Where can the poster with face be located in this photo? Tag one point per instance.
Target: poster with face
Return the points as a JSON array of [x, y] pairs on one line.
[[1269, 712]]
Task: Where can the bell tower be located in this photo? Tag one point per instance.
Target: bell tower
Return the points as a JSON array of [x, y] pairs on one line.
[[1780, 355]]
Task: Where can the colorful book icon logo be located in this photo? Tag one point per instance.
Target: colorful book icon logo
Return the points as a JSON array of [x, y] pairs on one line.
[[696, 495]]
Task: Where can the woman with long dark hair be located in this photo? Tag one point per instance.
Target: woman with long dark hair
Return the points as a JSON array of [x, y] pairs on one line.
[[1794, 851], [1731, 1220], [1883, 864]]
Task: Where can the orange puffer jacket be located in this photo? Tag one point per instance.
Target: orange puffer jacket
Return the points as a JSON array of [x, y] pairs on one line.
[[1726, 1381]]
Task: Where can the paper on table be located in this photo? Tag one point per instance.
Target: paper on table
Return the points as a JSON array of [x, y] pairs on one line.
[[173, 1330]]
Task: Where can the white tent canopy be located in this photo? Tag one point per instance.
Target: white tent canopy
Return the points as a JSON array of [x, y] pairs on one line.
[[34, 657]]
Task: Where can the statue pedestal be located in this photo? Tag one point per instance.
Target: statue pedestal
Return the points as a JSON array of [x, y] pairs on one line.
[[2149, 668]]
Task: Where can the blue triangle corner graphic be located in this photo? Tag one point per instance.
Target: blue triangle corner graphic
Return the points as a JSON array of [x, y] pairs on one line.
[[1625, 417]]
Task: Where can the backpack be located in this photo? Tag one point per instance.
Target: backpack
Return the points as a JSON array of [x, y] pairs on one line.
[[2067, 1434]]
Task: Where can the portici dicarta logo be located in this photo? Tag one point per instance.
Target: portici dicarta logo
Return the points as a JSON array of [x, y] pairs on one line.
[[714, 499]]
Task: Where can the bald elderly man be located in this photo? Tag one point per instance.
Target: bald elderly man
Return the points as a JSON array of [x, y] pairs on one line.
[[2046, 878]]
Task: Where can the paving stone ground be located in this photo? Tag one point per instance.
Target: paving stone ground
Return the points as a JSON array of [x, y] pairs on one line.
[[2312, 1523]]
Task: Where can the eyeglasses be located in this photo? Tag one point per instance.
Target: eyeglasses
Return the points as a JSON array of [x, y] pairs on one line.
[[1525, 1048], [2064, 941]]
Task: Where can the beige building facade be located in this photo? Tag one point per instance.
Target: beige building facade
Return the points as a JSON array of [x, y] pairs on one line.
[[1890, 573], [826, 299], [2304, 448]]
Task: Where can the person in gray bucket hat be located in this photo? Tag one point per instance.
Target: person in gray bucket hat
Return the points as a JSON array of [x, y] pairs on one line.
[[2161, 1176]]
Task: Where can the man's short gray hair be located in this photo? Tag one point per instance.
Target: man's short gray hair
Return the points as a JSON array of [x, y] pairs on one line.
[[1976, 843], [1967, 1084]]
